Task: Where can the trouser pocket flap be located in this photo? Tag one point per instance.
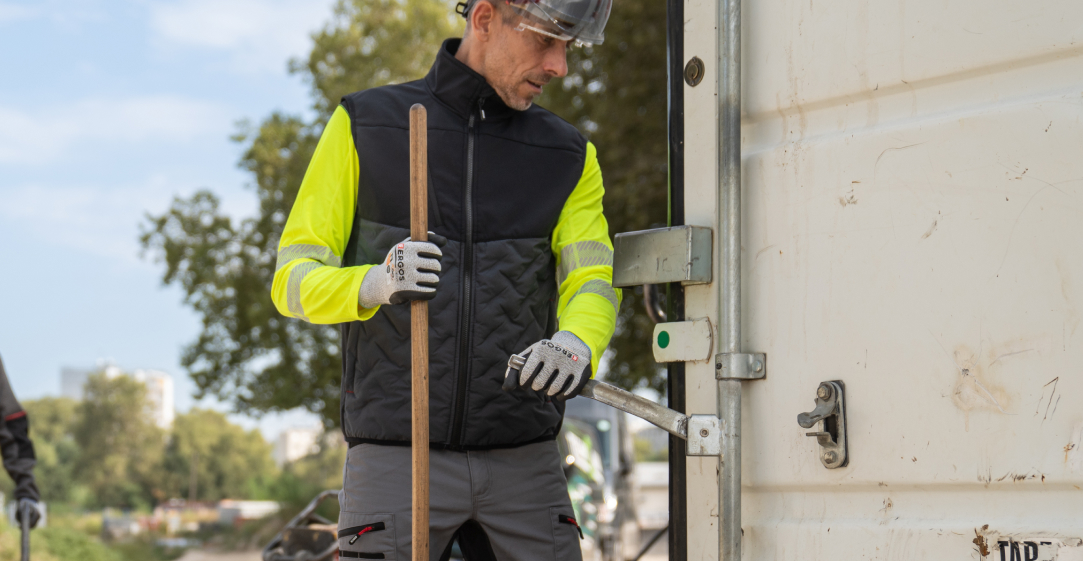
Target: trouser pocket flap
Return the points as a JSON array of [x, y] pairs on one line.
[[356, 532], [565, 519], [366, 535]]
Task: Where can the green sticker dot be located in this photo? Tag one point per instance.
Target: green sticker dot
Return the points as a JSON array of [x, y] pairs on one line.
[[663, 339]]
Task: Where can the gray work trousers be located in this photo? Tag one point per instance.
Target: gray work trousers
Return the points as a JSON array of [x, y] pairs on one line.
[[517, 496]]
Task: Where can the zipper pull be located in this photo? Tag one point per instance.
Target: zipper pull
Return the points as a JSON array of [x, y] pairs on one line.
[[481, 107]]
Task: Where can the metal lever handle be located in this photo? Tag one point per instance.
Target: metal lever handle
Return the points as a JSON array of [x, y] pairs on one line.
[[825, 407], [662, 417]]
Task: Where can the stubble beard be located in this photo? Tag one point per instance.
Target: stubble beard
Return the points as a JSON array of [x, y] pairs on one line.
[[512, 99]]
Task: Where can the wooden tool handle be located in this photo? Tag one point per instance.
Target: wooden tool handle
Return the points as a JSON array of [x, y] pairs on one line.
[[419, 334]]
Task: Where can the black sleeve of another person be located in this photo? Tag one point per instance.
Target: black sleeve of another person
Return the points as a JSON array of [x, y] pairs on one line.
[[15, 445]]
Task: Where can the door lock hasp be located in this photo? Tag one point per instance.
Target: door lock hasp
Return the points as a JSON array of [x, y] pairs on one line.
[[831, 411]]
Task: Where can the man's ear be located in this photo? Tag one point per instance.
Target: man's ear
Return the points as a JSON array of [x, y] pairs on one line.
[[482, 19]]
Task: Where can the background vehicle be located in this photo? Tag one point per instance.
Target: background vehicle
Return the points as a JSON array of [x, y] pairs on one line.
[[618, 528]]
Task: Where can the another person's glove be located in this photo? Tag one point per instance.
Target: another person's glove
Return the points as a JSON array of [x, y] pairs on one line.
[[30, 506], [410, 272], [559, 366]]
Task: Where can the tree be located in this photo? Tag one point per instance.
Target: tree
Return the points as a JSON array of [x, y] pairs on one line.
[[303, 479], [251, 356], [248, 354], [52, 421], [120, 447], [228, 460]]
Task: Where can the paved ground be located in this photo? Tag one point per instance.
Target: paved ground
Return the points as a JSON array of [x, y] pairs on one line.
[[200, 555]]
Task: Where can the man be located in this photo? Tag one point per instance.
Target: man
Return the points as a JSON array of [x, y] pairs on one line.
[[18, 451], [520, 262]]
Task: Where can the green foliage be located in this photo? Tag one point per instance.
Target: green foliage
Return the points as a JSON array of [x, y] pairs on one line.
[[307, 477], [70, 544], [66, 540], [252, 357], [120, 449], [106, 453], [57, 542], [371, 43], [52, 421], [229, 461]]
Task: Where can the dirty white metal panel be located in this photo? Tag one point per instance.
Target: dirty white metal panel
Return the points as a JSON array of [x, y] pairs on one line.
[[913, 199]]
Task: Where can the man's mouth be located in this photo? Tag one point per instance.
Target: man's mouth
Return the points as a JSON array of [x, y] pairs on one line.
[[536, 86]]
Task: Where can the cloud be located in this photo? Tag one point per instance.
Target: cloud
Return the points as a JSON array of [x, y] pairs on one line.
[[259, 35], [65, 14], [96, 220], [10, 12], [100, 219], [47, 135]]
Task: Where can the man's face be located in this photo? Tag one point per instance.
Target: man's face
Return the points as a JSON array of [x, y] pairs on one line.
[[520, 63]]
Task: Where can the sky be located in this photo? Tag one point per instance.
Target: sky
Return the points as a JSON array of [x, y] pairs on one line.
[[108, 110]]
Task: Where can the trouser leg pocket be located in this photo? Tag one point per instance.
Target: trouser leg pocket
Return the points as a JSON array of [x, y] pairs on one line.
[[566, 534], [366, 536]]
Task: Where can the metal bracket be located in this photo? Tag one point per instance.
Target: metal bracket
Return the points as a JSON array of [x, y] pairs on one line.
[[704, 435], [740, 366], [678, 254], [831, 409]]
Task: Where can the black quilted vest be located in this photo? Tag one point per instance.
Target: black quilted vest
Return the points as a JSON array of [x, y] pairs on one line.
[[498, 181]]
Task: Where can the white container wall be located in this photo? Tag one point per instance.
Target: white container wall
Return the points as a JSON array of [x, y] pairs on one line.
[[913, 227]]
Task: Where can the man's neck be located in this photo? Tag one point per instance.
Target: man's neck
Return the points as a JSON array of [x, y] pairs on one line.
[[469, 54]]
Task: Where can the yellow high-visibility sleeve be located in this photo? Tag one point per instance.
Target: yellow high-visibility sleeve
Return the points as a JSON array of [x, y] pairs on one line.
[[310, 282], [588, 303]]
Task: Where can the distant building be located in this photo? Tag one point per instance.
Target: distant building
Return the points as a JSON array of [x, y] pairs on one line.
[[652, 500], [232, 513], [294, 444], [159, 388], [72, 381], [159, 394]]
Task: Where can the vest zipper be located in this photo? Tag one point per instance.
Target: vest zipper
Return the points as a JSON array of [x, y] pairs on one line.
[[459, 413]]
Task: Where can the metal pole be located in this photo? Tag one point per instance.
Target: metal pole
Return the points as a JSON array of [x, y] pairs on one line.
[[24, 525], [729, 301]]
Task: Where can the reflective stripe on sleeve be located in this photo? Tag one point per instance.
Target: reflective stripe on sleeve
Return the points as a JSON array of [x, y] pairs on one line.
[[293, 288], [307, 251], [599, 287], [583, 254]]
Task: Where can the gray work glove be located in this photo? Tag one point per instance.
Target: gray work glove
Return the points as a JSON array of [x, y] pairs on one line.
[[410, 272], [31, 507], [559, 366]]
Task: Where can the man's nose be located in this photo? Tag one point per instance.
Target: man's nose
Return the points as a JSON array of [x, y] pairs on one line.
[[556, 60]]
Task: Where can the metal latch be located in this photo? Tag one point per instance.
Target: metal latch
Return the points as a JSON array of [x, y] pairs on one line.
[[831, 409]]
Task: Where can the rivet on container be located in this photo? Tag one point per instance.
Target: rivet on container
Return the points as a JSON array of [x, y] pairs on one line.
[[693, 71]]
